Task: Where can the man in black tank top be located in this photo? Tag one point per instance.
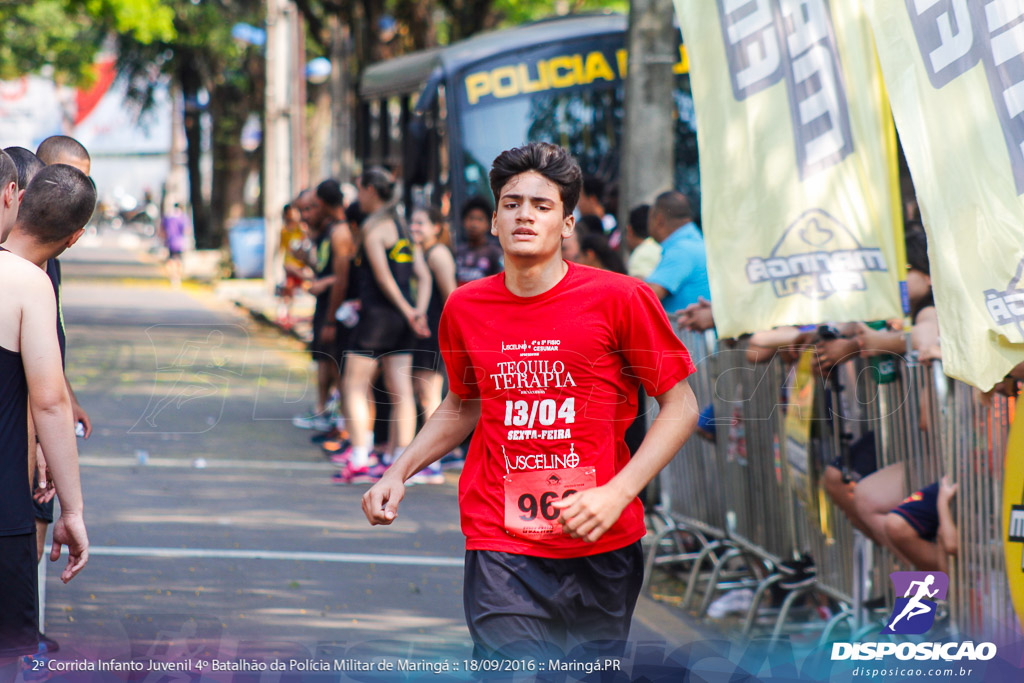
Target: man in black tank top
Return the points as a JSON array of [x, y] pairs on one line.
[[58, 203]]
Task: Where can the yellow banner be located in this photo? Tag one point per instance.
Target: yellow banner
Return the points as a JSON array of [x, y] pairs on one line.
[[955, 73], [799, 197]]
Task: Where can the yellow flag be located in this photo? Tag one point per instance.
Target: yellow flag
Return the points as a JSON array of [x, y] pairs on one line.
[[955, 74], [799, 197]]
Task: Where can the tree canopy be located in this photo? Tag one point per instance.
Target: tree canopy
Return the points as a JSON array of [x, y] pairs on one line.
[[67, 35]]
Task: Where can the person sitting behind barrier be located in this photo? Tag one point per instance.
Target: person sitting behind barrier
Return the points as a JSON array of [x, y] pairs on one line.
[[920, 530], [873, 503]]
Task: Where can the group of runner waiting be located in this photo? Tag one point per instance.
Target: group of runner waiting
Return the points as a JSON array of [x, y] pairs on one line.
[[46, 199]]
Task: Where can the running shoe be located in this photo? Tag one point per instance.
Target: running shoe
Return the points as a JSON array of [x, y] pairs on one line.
[[335, 446], [47, 645], [320, 422], [333, 434], [431, 474], [358, 475], [453, 461], [341, 456], [799, 573], [734, 602]]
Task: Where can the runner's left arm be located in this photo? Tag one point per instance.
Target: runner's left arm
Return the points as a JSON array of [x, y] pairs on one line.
[[77, 411], [590, 513]]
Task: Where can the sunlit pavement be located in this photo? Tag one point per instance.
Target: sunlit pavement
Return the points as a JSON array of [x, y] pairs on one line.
[[215, 529]]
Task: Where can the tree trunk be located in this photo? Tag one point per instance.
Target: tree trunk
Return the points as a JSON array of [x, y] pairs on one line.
[[228, 111], [190, 84]]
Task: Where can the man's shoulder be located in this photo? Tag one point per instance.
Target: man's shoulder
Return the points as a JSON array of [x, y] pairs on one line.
[[20, 275], [472, 292], [605, 283]]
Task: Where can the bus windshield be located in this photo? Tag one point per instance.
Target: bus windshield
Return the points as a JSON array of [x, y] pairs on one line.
[[586, 123]]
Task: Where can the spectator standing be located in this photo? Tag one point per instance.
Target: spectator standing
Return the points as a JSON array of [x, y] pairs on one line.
[[681, 277], [173, 228], [644, 252], [478, 256]]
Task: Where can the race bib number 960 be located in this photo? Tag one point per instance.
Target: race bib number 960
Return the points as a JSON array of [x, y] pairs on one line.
[[529, 499]]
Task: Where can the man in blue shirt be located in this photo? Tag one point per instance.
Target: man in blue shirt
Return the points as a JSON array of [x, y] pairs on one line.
[[681, 277]]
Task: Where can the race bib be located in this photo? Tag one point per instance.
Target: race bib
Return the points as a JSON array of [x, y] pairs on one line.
[[529, 498]]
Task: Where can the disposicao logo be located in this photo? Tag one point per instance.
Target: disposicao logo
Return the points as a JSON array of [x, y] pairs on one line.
[[914, 614]]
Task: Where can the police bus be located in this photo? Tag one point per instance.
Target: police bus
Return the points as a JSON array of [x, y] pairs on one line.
[[438, 117]]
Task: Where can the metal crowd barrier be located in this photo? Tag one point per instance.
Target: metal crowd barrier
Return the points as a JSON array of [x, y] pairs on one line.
[[690, 509], [731, 511], [975, 438]]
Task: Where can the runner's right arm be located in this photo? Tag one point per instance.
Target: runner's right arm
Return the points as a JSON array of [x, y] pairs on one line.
[[448, 427], [51, 412]]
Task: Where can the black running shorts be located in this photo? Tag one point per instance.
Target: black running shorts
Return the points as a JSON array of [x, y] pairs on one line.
[[19, 621], [518, 606]]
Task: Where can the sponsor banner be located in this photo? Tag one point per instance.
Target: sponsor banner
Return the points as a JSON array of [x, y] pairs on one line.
[[955, 73], [799, 196], [1013, 516]]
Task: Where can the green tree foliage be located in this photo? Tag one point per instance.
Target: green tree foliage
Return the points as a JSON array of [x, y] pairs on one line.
[[202, 57], [66, 35]]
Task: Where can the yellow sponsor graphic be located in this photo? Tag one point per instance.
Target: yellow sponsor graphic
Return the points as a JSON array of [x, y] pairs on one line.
[[554, 73], [1013, 516], [401, 252]]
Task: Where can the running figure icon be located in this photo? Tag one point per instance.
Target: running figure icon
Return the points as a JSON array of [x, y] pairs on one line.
[[914, 606]]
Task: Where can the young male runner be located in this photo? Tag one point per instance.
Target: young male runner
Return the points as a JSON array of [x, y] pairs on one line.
[[31, 375], [544, 362]]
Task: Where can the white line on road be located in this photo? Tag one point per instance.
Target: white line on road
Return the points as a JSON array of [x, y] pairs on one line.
[[226, 554], [211, 463]]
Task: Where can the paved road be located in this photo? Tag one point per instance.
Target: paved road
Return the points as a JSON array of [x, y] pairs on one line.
[[255, 552]]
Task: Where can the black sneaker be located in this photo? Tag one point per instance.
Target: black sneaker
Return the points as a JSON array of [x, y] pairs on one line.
[[47, 645], [799, 573]]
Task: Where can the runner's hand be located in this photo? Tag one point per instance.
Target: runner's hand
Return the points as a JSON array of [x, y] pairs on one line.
[[70, 530], [380, 503], [588, 514], [79, 415], [45, 489], [418, 323]]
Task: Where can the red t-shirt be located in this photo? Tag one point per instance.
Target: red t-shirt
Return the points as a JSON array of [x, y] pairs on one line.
[[558, 375]]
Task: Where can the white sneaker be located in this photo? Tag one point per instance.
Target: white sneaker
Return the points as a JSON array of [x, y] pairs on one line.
[[431, 474], [734, 602], [318, 422]]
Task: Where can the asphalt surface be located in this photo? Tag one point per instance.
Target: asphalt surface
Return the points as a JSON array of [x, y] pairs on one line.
[[216, 532]]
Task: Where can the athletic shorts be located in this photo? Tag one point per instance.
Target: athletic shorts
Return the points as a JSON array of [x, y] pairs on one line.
[[320, 349], [381, 330], [19, 621], [863, 458], [921, 510], [518, 606], [427, 355]]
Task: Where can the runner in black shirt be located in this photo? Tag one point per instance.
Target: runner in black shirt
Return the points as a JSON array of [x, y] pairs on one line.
[[57, 205]]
